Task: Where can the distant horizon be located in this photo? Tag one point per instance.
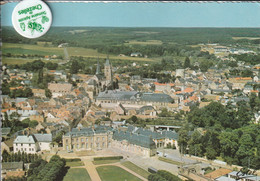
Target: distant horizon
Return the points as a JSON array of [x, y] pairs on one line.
[[145, 15]]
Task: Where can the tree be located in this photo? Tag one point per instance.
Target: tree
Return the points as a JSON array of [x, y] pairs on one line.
[[5, 155], [48, 93], [155, 177], [186, 63], [27, 92], [229, 145], [40, 77], [6, 122], [183, 140], [74, 67], [164, 113], [195, 146], [51, 66], [134, 119], [167, 175]]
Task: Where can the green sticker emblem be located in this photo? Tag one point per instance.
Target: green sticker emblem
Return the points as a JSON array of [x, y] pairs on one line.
[[31, 18]]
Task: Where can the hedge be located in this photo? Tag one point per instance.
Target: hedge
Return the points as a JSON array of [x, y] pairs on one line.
[[108, 158], [73, 159]]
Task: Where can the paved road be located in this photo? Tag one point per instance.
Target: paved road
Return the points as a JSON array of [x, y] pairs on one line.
[[91, 168]]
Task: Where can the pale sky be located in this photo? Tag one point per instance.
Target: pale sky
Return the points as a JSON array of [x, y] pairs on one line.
[[149, 14]]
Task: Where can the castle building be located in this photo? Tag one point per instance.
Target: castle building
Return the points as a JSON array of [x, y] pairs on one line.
[[88, 138], [134, 143]]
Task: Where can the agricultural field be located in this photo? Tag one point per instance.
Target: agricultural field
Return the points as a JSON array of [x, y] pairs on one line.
[[16, 48], [77, 174], [28, 49], [112, 173]]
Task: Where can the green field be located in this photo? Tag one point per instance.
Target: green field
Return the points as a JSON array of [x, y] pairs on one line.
[[169, 161], [19, 49], [136, 169], [74, 164], [114, 173], [77, 174]]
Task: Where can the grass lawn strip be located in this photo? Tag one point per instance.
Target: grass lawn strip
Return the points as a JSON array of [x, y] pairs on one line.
[[169, 161], [114, 173], [77, 174], [136, 169], [74, 164], [100, 162]]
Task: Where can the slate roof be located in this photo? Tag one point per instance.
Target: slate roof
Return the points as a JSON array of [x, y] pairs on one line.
[[25, 139], [43, 137], [76, 132], [133, 95], [107, 62], [133, 138], [116, 95], [5, 131], [170, 135], [152, 97], [146, 132]]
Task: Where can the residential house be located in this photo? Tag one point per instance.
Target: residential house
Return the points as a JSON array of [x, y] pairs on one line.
[[218, 173], [44, 141], [26, 143], [167, 87], [7, 145], [39, 93]]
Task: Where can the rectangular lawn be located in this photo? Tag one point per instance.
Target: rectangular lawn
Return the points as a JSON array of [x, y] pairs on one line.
[[136, 169], [114, 173], [77, 174]]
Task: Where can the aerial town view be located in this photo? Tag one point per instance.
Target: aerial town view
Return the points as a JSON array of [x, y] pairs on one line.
[[117, 95]]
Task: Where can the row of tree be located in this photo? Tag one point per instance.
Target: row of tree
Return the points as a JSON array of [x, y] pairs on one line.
[[37, 65], [19, 157], [54, 170]]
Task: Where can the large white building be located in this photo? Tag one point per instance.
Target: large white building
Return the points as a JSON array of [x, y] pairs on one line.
[[26, 144]]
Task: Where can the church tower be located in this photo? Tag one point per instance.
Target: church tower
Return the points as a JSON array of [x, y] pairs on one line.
[[108, 72]]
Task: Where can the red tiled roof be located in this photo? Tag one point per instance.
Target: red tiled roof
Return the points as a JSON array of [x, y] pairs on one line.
[[188, 90], [157, 83]]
